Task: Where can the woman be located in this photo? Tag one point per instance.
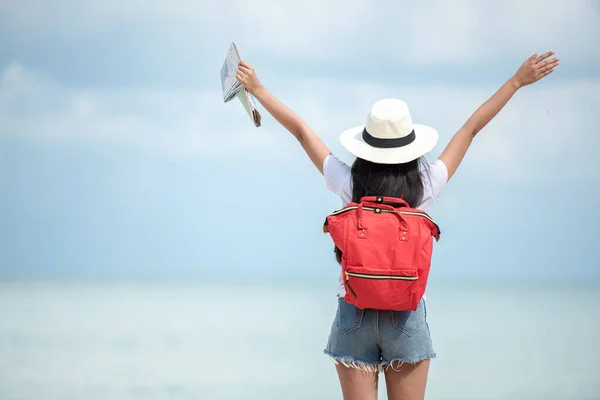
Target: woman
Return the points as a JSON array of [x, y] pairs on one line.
[[389, 151]]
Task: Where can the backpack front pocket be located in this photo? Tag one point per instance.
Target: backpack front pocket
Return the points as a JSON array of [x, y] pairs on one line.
[[382, 289]]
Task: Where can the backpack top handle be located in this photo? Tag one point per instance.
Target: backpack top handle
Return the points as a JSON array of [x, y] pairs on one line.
[[392, 201]]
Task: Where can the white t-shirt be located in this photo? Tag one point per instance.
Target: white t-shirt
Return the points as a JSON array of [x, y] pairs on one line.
[[338, 179]]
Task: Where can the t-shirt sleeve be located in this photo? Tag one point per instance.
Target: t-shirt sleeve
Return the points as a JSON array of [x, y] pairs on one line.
[[438, 173], [434, 181], [338, 177]]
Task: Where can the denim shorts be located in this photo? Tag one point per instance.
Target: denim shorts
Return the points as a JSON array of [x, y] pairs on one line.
[[373, 340]]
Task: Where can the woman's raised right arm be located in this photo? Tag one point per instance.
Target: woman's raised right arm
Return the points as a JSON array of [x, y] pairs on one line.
[[314, 147], [532, 70]]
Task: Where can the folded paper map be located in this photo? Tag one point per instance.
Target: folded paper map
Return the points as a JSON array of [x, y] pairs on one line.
[[232, 88]]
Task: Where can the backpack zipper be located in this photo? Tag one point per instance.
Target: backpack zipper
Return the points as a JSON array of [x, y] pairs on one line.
[[378, 276], [374, 276], [350, 286], [418, 214]]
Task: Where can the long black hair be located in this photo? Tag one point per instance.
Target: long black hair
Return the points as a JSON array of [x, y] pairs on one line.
[[404, 181]]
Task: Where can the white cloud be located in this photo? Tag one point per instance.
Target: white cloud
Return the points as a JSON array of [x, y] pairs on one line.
[[431, 32], [543, 124], [466, 32], [162, 121]]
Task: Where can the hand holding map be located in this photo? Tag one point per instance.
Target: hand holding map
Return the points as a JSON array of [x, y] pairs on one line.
[[233, 88]]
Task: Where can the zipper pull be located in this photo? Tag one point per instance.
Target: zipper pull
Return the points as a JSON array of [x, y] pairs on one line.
[[349, 286]]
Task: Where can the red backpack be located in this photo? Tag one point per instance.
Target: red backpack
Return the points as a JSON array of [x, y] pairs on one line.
[[386, 252]]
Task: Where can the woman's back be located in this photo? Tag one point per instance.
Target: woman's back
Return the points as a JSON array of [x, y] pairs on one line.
[[364, 178], [373, 180]]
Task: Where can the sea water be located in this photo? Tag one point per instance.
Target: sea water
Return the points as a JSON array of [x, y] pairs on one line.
[[110, 341]]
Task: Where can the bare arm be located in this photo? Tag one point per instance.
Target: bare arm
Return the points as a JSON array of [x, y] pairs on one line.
[[532, 70], [312, 144]]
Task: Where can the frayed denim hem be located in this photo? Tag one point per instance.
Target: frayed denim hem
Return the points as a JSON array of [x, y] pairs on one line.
[[351, 362], [381, 366], [400, 361]]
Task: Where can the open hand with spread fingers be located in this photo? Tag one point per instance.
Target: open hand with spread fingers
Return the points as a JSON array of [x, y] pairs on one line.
[[535, 68]]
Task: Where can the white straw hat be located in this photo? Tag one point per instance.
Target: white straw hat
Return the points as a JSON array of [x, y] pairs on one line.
[[389, 136]]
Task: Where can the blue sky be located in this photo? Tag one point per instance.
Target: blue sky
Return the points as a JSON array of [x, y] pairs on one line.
[[118, 158]]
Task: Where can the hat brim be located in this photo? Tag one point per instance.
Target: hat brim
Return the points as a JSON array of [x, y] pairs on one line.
[[426, 139]]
